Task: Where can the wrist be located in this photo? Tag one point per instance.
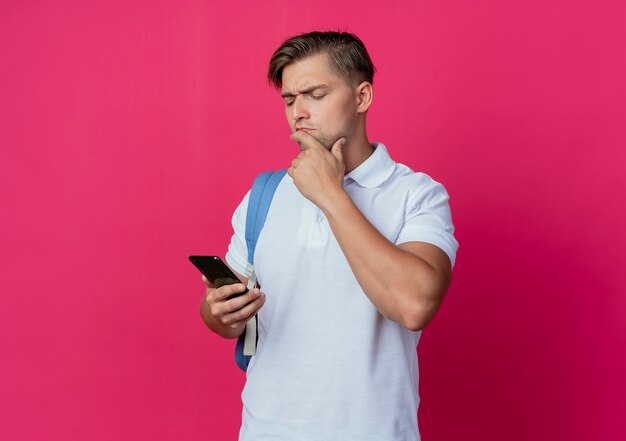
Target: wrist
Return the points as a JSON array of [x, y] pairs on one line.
[[334, 201]]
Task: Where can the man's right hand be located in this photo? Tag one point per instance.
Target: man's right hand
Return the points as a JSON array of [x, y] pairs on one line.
[[228, 318]]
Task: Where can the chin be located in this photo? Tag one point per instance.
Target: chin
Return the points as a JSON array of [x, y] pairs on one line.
[[326, 143]]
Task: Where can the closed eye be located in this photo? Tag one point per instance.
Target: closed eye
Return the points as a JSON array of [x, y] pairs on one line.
[[289, 100]]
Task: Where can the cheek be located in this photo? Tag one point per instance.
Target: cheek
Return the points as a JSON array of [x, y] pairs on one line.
[[342, 117]]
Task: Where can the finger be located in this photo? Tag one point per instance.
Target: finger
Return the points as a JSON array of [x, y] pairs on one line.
[[239, 302], [337, 149], [235, 304], [244, 314], [207, 282], [306, 140], [291, 170], [228, 290]]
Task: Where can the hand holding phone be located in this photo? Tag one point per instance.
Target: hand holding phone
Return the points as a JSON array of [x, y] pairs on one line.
[[225, 310]]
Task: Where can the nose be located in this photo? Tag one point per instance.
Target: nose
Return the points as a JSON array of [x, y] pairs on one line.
[[299, 109]]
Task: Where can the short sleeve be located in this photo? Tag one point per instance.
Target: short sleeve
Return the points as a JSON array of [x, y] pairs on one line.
[[428, 217], [237, 254]]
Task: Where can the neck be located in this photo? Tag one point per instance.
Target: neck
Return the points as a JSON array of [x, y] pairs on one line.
[[356, 151]]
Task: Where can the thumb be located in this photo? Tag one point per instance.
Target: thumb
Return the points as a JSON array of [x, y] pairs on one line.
[[337, 149]]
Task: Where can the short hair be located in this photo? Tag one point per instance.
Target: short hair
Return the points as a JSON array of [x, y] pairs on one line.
[[347, 56]]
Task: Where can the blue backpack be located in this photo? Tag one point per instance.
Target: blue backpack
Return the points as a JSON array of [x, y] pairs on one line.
[[261, 197]]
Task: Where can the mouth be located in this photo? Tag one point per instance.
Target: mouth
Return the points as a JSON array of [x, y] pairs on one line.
[[303, 129]]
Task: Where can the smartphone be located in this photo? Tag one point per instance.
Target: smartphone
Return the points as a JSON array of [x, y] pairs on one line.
[[217, 272]]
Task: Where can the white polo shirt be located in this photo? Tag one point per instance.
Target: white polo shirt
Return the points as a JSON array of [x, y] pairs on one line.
[[329, 366]]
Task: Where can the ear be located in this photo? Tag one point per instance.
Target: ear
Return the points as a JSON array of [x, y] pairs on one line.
[[364, 96]]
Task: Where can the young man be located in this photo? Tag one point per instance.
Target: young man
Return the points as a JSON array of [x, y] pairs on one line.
[[354, 260]]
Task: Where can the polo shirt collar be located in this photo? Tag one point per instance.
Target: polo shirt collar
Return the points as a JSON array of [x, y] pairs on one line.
[[374, 170]]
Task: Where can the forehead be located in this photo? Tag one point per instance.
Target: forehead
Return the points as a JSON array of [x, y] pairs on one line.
[[307, 72]]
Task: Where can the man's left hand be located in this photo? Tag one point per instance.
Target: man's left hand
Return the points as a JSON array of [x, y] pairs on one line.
[[317, 172]]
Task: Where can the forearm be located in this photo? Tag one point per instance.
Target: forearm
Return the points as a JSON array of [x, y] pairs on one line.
[[401, 285]]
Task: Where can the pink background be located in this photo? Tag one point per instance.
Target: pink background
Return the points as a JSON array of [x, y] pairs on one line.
[[129, 131]]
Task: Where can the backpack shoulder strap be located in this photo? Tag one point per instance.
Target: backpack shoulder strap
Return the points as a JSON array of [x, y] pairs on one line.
[[261, 195]]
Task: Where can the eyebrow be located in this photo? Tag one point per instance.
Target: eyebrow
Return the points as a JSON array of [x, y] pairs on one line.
[[307, 90]]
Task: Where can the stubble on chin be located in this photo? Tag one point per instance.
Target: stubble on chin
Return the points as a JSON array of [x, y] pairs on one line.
[[321, 138], [327, 144], [324, 141]]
